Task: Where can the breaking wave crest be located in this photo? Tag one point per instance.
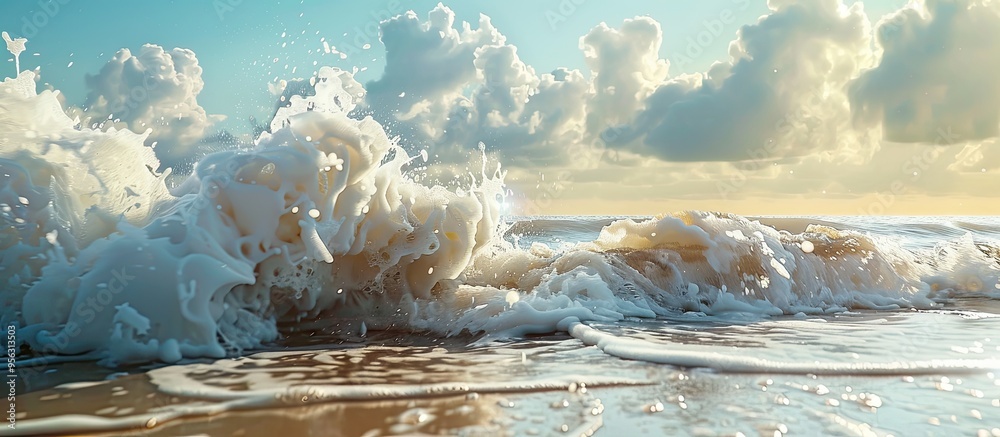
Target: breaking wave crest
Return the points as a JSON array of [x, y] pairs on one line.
[[321, 225]]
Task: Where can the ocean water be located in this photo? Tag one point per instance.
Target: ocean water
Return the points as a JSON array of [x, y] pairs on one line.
[[931, 370], [311, 284]]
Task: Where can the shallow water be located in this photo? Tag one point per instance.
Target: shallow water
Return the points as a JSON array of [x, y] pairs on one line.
[[391, 385], [347, 268], [337, 382], [316, 281]]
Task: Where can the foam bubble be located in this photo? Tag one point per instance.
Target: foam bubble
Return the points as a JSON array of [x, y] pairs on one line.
[[15, 46], [636, 349], [319, 222], [213, 272]]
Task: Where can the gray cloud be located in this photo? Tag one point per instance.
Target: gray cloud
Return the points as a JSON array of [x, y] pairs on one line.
[[775, 117], [780, 95], [626, 68], [782, 91], [940, 68], [447, 88], [428, 59]]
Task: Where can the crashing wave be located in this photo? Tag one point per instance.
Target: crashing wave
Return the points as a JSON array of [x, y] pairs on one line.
[[319, 211], [321, 223]]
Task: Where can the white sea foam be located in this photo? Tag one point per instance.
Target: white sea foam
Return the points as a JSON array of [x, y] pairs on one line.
[[707, 264], [320, 222], [226, 256], [635, 349], [178, 381]]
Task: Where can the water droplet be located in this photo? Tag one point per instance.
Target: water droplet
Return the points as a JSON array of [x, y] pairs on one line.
[[808, 246], [656, 406]]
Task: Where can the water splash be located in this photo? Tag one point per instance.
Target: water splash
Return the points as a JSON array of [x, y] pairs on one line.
[[261, 238], [15, 46]]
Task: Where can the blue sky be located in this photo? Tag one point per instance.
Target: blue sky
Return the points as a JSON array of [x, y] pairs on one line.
[[813, 106], [237, 41]]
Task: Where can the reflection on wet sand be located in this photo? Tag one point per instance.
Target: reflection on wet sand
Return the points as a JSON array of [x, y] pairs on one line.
[[550, 385], [375, 390]]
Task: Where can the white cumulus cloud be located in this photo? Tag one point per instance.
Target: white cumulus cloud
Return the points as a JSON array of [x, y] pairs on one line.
[[779, 95], [939, 70], [153, 89]]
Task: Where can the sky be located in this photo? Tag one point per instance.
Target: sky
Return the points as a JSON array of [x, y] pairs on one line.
[[625, 107]]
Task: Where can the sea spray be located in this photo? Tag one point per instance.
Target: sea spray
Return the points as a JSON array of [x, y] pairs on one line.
[[15, 46], [321, 223], [321, 204]]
